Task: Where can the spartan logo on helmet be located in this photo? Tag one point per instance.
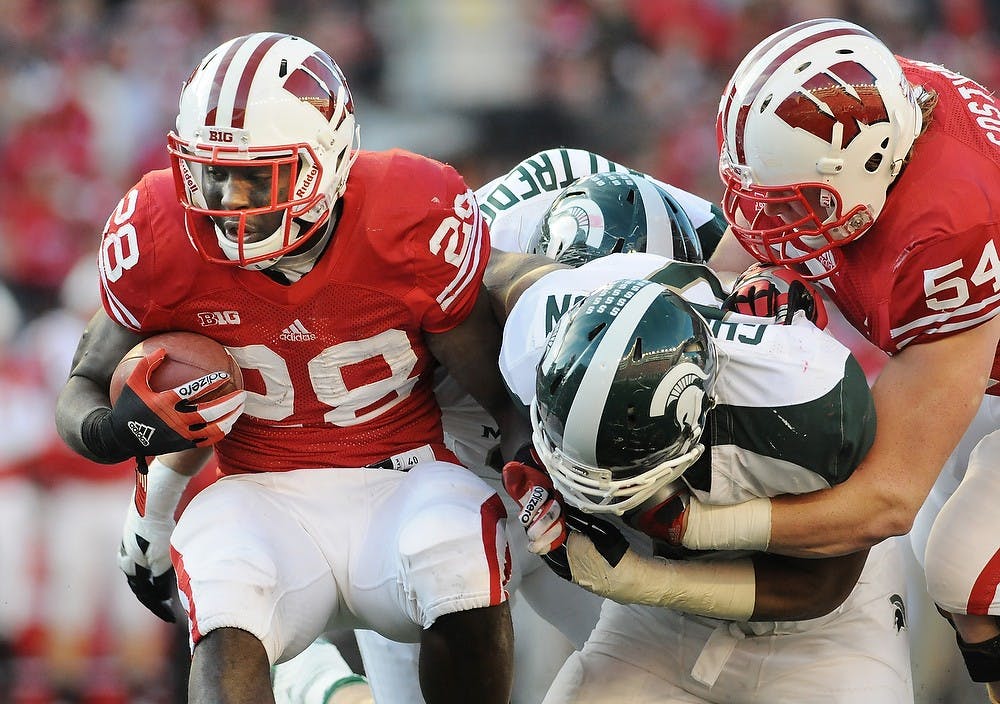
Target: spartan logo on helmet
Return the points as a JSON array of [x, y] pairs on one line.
[[683, 388], [845, 94]]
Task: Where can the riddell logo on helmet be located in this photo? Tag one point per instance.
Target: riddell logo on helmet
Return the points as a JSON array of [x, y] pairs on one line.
[[306, 183], [846, 93]]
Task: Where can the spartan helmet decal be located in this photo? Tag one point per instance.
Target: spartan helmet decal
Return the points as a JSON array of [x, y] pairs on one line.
[[622, 395], [682, 391]]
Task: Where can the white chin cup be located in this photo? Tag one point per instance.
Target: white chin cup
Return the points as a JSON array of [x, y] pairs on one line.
[[271, 243]]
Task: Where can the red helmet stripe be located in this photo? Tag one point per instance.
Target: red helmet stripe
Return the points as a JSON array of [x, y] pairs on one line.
[[246, 80], [751, 59], [220, 76]]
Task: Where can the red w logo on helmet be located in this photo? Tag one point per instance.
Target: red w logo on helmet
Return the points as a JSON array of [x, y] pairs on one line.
[[317, 82], [845, 93]]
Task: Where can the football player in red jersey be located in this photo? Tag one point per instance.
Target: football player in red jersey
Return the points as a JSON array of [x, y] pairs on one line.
[[338, 279], [878, 177]]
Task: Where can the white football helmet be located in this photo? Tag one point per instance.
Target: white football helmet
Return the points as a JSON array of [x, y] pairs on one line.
[[816, 123], [273, 100]]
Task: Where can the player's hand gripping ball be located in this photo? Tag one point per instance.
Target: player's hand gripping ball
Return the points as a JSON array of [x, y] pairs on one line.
[[174, 391]]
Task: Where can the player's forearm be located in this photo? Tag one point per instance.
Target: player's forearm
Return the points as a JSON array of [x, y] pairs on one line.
[[795, 589], [78, 401], [836, 521], [187, 462], [715, 588]]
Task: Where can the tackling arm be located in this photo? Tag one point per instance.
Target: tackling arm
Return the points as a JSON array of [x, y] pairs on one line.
[[928, 392], [470, 352], [729, 258], [761, 588], [509, 274]]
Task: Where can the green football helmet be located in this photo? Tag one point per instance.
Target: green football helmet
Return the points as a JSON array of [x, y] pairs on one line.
[[622, 395], [613, 212]]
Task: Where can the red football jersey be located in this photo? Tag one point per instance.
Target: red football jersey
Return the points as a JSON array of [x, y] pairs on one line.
[[335, 365], [929, 266]]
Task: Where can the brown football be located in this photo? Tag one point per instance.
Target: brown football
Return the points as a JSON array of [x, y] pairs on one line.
[[189, 357]]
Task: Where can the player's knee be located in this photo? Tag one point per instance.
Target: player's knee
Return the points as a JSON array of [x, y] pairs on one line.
[[950, 579], [234, 590], [454, 557]]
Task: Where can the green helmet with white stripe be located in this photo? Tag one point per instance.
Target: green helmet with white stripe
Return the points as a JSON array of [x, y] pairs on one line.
[[612, 212], [622, 395]]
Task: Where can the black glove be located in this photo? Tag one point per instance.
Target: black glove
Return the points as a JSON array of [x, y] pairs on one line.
[[606, 537], [155, 593]]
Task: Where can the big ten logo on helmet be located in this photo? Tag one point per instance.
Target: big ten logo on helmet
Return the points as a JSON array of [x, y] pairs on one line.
[[219, 317], [844, 94], [615, 299], [980, 101], [223, 136]]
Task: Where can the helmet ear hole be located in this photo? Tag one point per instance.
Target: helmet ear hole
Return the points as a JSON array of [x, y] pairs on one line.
[[596, 331], [637, 350], [874, 161]]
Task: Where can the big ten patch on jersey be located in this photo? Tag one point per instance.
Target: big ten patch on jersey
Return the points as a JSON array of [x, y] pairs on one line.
[[548, 171]]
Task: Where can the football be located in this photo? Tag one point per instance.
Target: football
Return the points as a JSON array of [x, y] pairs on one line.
[[189, 356]]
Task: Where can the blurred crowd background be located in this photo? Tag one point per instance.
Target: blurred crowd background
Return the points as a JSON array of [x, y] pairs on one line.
[[88, 90]]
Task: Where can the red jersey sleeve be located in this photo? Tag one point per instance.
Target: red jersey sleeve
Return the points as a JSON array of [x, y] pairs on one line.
[[457, 242], [946, 286], [145, 259]]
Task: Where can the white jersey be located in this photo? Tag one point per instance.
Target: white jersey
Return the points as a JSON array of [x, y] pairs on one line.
[[793, 413]]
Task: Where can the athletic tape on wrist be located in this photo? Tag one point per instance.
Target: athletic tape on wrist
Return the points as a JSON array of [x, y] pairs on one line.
[[164, 487], [744, 526], [724, 589]]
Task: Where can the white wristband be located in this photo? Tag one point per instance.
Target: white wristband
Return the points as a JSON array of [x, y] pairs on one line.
[[744, 526], [164, 488], [724, 589]]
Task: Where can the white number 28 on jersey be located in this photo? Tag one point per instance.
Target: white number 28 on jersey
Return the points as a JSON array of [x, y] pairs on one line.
[[349, 406]]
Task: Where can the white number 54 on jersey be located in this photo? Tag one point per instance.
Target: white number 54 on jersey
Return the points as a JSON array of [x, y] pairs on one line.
[[946, 291]]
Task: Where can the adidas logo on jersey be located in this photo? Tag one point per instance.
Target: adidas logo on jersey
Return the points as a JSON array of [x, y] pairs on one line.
[[296, 332], [142, 431]]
